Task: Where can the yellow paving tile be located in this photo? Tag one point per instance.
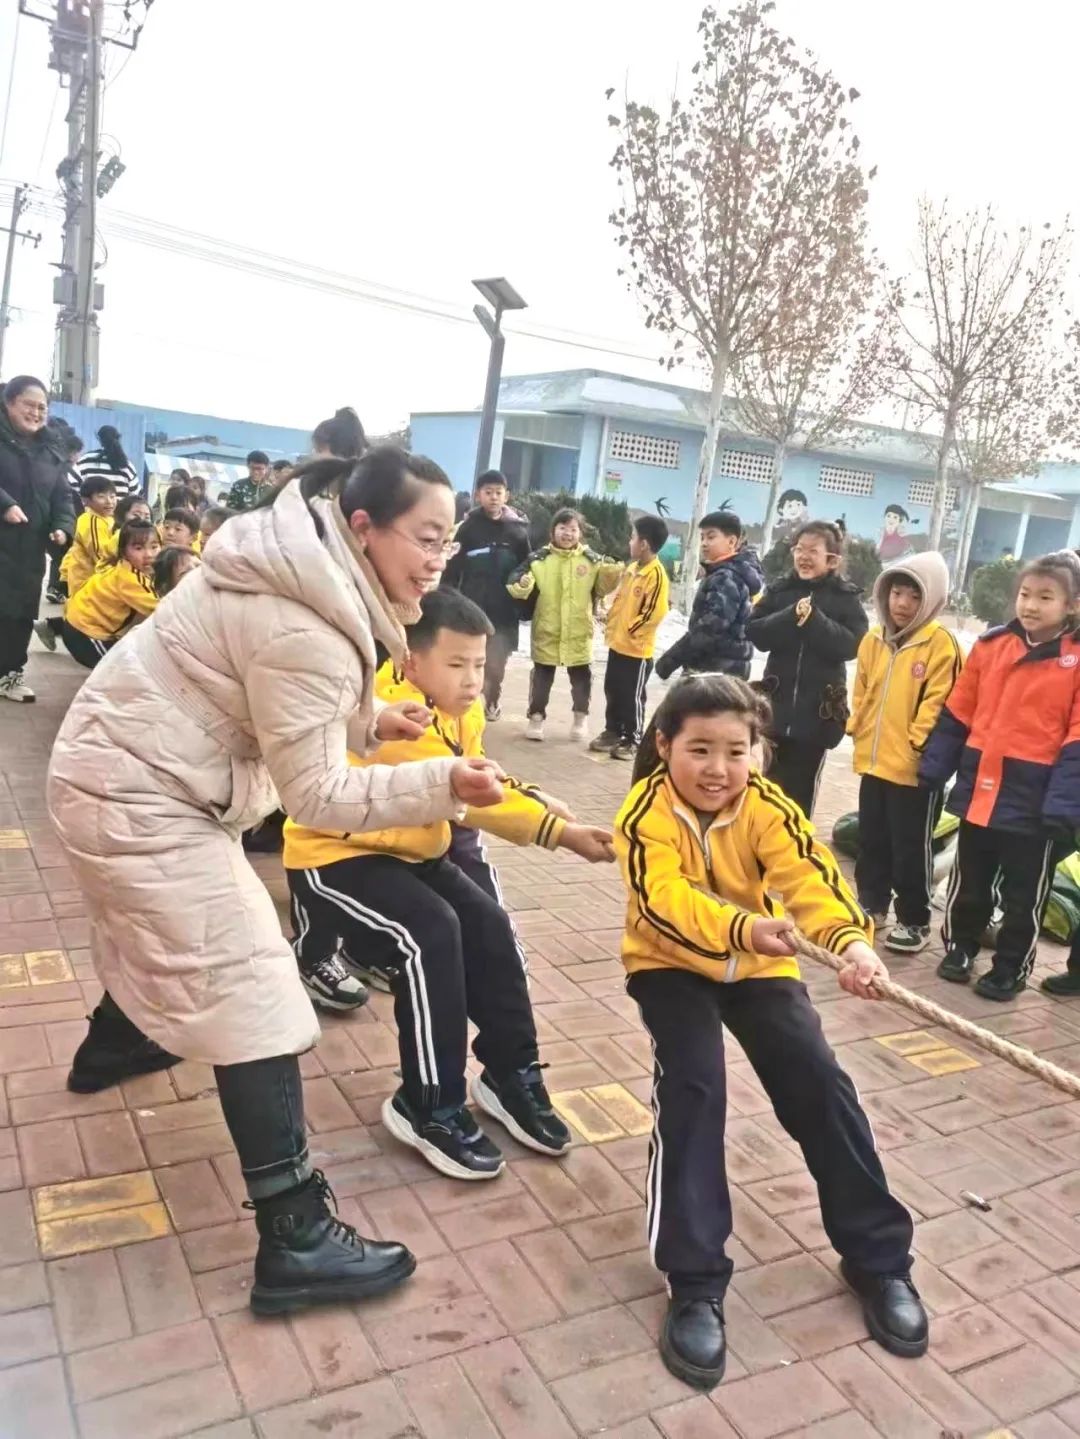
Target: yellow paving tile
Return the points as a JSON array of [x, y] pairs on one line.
[[83, 1232], [12, 971], [48, 966], [14, 839], [586, 1116], [943, 1061], [54, 1202], [627, 1111], [912, 1041]]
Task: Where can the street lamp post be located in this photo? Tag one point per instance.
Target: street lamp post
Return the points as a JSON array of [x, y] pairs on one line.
[[500, 295]]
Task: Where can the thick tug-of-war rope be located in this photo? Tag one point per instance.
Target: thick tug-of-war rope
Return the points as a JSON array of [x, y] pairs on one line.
[[1023, 1059]]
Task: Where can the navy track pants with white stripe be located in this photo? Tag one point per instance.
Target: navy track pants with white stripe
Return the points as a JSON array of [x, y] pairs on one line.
[[624, 691], [454, 957], [687, 1198], [1026, 864], [896, 831]]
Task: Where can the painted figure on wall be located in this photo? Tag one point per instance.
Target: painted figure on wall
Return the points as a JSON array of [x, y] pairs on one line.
[[894, 540], [791, 513]]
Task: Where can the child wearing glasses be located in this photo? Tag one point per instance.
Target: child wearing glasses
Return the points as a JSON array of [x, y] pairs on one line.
[[811, 623]]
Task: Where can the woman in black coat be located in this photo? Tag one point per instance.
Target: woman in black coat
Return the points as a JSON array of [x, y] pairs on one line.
[[811, 623], [35, 509]]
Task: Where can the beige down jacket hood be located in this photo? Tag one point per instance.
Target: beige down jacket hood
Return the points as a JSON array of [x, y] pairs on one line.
[[247, 684]]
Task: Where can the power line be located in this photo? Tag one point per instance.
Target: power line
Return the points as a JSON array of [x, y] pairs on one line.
[[11, 86]]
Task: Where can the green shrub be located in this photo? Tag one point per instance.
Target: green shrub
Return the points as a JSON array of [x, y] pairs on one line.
[[993, 589], [862, 564], [607, 522]]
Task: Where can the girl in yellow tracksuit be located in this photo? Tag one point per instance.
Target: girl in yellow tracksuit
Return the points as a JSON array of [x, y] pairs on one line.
[[114, 598], [567, 579], [716, 858], [907, 665]]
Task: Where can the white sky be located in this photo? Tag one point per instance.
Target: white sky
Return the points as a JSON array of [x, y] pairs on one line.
[[422, 145]]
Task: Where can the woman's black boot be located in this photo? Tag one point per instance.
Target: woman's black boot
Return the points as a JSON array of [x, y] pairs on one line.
[[308, 1256], [114, 1050]]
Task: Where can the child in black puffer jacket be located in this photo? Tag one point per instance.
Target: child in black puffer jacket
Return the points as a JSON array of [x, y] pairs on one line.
[[811, 623], [715, 641]]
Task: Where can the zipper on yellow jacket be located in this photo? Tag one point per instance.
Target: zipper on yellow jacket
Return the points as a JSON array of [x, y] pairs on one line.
[[693, 895], [520, 817]]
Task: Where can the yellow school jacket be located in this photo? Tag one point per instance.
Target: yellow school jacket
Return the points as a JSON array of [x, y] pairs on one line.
[[693, 895], [899, 692], [640, 603], [112, 599], [93, 541], [520, 817]]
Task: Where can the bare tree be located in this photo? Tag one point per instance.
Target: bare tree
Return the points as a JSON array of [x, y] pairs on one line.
[[980, 332], [729, 197], [825, 362]]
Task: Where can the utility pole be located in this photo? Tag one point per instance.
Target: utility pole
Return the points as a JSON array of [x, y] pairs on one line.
[[18, 205], [79, 39]]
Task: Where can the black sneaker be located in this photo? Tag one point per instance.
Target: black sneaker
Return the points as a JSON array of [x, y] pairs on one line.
[[375, 976], [908, 938], [114, 1050], [892, 1309], [1064, 985], [332, 986], [625, 749], [520, 1102], [692, 1341], [604, 742], [957, 966], [55, 596], [308, 1256], [451, 1142], [1000, 983], [492, 713]]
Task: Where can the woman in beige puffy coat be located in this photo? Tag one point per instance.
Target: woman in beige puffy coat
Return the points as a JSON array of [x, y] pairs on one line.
[[247, 685]]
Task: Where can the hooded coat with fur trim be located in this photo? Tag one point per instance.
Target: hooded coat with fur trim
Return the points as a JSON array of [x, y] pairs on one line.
[[250, 682]]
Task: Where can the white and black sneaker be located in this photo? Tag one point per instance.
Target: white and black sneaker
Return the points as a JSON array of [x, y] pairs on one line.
[[450, 1140], [375, 976], [521, 1103], [332, 985], [46, 634], [908, 938], [14, 687]]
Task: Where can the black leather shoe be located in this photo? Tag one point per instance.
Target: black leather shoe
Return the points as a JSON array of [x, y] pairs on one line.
[[114, 1050], [892, 1308], [692, 1342], [308, 1256], [957, 966], [1000, 983], [1064, 985]]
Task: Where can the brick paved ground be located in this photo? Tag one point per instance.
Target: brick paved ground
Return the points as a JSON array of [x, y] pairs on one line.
[[125, 1254]]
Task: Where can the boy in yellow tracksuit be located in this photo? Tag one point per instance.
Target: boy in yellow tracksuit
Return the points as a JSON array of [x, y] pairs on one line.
[[640, 603], [94, 531], [404, 906], [907, 665], [718, 865]]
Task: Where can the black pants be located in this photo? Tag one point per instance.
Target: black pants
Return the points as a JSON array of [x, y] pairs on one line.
[[452, 953], [896, 856], [689, 1208], [796, 767], [1026, 862], [624, 690], [263, 1105], [543, 677], [14, 643], [56, 554], [500, 647], [80, 647]]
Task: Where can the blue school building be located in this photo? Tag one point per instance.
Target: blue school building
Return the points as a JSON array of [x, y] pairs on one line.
[[597, 433]]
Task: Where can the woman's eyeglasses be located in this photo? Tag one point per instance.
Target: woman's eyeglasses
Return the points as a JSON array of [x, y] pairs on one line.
[[433, 549]]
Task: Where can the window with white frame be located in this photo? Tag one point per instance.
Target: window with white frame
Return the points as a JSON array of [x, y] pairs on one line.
[[644, 449], [837, 480], [747, 465], [921, 492]]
